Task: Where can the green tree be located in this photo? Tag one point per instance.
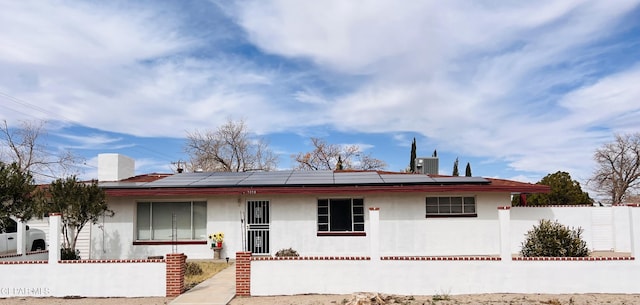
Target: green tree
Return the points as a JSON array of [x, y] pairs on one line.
[[19, 196], [412, 160], [80, 203], [564, 191], [467, 171], [455, 168], [618, 167]]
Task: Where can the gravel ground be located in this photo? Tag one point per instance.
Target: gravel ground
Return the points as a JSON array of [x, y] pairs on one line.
[[85, 301], [482, 299]]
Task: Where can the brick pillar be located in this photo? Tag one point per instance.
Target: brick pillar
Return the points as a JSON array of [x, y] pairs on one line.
[[175, 274], [504, 217], [243, 274]]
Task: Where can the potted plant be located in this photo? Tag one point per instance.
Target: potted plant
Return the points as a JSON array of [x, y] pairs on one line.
[[216, 239]]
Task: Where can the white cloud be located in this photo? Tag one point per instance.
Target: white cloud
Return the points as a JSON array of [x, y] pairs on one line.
[[517, 81]]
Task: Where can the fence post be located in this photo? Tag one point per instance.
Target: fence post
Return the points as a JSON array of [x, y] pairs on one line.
[[374, 233], [504, 217], [55, 219], [243, 274], [21, 235], [175, 274], [634, 226]]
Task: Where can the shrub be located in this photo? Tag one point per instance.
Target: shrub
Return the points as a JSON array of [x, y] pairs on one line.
[[192, 269], [552, 239], [68, 254], [287, 252]]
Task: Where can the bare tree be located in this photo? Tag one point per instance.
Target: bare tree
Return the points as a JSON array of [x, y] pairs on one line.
[[618, 170], [325, 156], [24, 146], [228, 149]]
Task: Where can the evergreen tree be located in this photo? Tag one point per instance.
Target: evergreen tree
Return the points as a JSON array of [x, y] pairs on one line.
[[467, 171], [19, 196], [412, 162], [564, 191], [339, 165], [455, 168]]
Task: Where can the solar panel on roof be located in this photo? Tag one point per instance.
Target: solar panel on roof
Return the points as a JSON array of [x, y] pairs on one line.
[[357, 178], [222, 179], [310, 177], [266, 178], [290, 178]]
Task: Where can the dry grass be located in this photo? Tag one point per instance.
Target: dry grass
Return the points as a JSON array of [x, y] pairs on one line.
[[208, 268]]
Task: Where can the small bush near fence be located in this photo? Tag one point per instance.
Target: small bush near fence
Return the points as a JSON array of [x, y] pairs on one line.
[[287, 252], [192, 269], [68, 254], [553, 239]]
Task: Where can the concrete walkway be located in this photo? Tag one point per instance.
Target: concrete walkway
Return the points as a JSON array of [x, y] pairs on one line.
[[218, 290]]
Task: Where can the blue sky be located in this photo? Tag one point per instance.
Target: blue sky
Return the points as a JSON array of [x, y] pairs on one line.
[[519, 89]]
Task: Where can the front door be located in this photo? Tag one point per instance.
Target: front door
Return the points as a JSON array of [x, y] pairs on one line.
[[258, 226]]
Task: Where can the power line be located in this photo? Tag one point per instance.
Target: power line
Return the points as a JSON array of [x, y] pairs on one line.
[[57, 116]]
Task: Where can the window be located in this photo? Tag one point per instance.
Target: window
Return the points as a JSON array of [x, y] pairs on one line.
[[341, 215], [451, 207], [155, 220], [8, 225]]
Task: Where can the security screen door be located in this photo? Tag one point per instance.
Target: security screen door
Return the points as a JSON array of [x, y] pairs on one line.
[[258, 226]]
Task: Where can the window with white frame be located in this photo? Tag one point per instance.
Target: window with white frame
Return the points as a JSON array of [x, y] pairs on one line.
[[157, 220], [451, 206], [341, 215]]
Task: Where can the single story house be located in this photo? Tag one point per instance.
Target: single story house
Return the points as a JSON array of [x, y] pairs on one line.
[[316, 213]]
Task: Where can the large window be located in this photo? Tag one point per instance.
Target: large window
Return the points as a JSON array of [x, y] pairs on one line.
[[341, 215], [162, 220], [458, 206]]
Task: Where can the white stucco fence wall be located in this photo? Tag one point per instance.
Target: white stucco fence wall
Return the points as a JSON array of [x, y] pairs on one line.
[[422, 275], [83, 279], [55, 278], [290, 277], [524, 219]]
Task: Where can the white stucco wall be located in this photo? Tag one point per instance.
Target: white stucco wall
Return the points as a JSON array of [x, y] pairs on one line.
[[293, 224], [524, 219]]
